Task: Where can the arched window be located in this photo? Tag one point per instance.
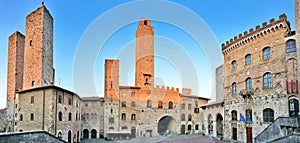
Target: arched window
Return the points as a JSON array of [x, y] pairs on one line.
[[196, 127], [21, 117], [111, 120], [189, 117], [189, 106], [293, 107], [132, 116], [170, 105], [182, 106], [70, 116], [182, 117], [248, 59], [234, 92], [249, 115], [291, 46], [233, 63], [123, 103], [233, 115], [268, 115], [248, 84], [123, 116], [149, 104], [266, 53], [160, 104], [132, 104], [59, 116], [268, 80]]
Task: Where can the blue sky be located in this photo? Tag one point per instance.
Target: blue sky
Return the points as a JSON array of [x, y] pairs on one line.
[[72, 19]]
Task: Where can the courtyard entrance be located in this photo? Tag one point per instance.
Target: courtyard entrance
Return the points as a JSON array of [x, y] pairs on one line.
[[166, 124]]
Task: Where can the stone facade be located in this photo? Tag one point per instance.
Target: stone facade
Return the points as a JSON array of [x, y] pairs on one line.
[[219, 83], [49, 108], [145, 110], [260, 79], [92, 117]]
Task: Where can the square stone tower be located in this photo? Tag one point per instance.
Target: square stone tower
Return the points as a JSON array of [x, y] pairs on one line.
[[144, 66], [14, 73], [112, 91], [38, 53]]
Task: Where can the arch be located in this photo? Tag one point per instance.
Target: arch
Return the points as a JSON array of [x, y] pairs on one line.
[[160, 104], [59, 116], [149, 104], [248, 59], [268, 115], [219, 125], [133, 117], [70, 116], [293, 107], [267, 80], [59, 135], [123, 116], [111, 128], [133, 104], [166, 124], [170, 105], [266, 53], [93, 133], [234, 90], [291, 46], [85, 134], [248, 82], [69, 136]]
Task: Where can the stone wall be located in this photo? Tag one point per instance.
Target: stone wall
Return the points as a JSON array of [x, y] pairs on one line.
[[219, 83], [29, 137], [275, 97], [93, 116]]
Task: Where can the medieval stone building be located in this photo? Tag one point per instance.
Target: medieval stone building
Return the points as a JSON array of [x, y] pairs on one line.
[[261, 82], [143, 109]]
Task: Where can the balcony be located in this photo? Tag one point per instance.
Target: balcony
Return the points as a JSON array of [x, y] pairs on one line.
[[246, 93]]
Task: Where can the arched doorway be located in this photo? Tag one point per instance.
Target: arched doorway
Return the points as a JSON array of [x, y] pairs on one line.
[[166, 124], [219, 125], [93, 134], [69, 136], [85, 134], [293, 107]]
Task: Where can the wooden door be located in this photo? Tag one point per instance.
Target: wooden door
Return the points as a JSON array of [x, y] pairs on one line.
[[183, 129], [234, 133], [249, 134]]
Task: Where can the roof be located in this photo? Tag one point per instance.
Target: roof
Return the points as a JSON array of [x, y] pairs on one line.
[[194, 96], [49, 87], [216, 103]]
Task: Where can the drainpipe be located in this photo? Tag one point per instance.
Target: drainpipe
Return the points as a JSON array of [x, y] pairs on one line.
[[43, 124]]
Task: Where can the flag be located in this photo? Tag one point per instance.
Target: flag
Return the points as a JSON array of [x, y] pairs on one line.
[[249, 117], [242, 118]]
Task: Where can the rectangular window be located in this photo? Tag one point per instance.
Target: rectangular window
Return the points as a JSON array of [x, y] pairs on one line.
[[31, 117], [32, 99], [70, 101]]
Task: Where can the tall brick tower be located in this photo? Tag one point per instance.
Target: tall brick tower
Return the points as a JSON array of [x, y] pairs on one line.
[[14, 73], [111, 89], [144, 66], [38, 53]]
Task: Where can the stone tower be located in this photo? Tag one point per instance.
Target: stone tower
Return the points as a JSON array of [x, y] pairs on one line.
[[144, 66], [14, 73], [38, 53], [111, 89], [297, 26]]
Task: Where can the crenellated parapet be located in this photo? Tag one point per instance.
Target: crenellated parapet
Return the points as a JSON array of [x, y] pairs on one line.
[[259, 32], [167, 89]]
